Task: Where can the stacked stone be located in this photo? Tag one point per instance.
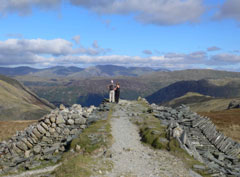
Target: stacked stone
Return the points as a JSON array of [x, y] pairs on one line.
[[45, 140], [199, 137]]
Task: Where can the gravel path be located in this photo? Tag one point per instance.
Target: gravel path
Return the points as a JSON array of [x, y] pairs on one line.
[[131, 158]]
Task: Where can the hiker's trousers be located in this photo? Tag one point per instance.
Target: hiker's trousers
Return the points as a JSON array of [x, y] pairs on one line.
[[111, 96]]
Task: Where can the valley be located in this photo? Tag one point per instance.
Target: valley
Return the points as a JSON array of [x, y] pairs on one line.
[[59, 86]]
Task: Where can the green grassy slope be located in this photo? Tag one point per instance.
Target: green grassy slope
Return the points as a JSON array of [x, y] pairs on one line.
[[200, 103], [19, 103]]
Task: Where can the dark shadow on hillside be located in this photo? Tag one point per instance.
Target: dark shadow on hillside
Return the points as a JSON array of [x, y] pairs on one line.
[[91, 99]]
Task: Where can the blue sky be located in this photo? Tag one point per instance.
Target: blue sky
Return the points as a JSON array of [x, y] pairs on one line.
[[172, 34]]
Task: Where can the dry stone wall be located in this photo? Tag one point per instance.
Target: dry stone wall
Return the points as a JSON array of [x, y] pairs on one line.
[[46, 140], [198, 136]]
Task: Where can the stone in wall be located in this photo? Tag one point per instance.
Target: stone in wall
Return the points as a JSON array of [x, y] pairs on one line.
[[47, 139], [198, 136]]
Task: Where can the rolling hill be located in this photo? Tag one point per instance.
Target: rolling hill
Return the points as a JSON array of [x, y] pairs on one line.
[[230, 89], [200, 103], [19, 103], [76, 88]]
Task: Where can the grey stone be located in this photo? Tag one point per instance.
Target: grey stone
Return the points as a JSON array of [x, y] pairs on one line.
[[22, 146], [47, 140], [29, 145], [83, 126], [75, 116], [51, 130], [27, 154], [44, 126], [70, 121], [66, 131], [47, 121], [37, 133], [53, 118], [60, 120], [80, 121], [37, 149], [16, 149], [41, 129]]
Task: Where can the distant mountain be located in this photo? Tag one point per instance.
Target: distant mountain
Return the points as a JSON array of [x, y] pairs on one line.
[[75, 72], [57, 71], [112, 71], [18, 71], [19, 103], [206, 87]]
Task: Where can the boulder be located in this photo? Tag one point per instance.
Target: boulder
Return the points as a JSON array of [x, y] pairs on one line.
[[234, 104]]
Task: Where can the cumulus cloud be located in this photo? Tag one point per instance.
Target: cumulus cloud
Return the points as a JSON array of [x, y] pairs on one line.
[[160, 12], [213, 48], [229, 9], [29, 51], [76, 39], [62, 52], [225, 59], [24, 7], [171, 60], [147, 52]]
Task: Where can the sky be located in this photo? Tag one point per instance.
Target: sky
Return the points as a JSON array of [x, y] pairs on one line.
[[170, 34]]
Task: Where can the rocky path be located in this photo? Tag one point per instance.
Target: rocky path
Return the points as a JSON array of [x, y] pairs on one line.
[[131, 158]]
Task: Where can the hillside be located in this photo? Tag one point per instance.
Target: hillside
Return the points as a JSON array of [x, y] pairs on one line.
[[19, 103], [200, 103], [229, 89], [77, 89]]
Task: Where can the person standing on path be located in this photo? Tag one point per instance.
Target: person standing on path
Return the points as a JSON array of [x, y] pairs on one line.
[[111, 92], [117, 92]]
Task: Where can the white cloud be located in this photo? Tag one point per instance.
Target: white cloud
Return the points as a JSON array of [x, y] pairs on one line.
[[24, 7], [29, 51], [213, 48], [171, 61], [76, 39], [229, 9], [61, 52], [225, 59], [147, 52], [160, 12]]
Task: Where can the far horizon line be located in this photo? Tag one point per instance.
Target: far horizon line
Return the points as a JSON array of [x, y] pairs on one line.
[[125, 66]]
